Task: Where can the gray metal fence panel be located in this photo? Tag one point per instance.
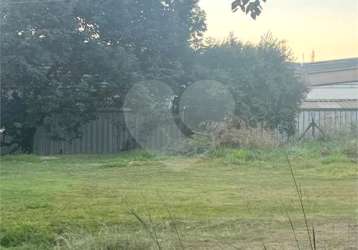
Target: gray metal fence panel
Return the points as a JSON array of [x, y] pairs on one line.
[[105, 135], [109, 135], [330, 121]]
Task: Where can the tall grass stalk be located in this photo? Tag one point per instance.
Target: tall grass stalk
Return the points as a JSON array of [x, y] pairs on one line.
[[294, 231], [300, 198], [148, 228], [172, 222]]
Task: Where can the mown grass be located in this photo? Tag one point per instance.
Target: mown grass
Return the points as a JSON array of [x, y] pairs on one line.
[[225, 199]]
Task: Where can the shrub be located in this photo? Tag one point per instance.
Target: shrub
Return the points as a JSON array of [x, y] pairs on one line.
[[235, 133], [231, 133]]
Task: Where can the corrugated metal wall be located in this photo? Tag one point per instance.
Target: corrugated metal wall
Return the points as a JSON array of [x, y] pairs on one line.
[[109, 135], [330, 121], [106, 135]]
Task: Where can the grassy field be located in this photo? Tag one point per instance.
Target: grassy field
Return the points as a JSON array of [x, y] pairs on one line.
[[226, 199]]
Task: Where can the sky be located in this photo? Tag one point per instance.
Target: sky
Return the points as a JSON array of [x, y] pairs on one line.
[[329, 27]]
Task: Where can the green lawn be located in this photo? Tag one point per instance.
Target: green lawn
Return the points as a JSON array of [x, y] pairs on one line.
[[228, 199]]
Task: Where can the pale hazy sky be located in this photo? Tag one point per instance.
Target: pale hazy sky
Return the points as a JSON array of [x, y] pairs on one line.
[[330, 27]]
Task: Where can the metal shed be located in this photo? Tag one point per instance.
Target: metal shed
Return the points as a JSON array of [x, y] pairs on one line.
[[332, 100]]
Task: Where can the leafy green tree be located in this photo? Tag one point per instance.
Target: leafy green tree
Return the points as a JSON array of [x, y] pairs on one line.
[[261, 77], [163, 34], [45, 77], [252, 7], [63, 61]]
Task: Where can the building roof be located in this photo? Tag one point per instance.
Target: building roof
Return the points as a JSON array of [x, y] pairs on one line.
[[333, 85], [332, 65], [329, 72], [344, 91], [330, 105]]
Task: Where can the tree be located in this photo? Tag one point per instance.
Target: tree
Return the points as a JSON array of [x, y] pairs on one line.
[[163, 34], [252, 7], [261, 77], [43, 74], [63, 61]]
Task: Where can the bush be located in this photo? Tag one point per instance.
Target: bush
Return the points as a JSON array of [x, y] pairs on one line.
[[235, 133], [231, 133]]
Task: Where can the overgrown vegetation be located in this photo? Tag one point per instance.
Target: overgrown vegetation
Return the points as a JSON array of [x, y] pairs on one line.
[[261, 78], [62, 63], [225, 199]]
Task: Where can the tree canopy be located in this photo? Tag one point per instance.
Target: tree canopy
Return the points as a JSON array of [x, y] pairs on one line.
[[64, 61], [252, 7], [261, 77]]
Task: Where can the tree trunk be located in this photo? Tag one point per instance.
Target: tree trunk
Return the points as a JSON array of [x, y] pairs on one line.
[[178, 120], [27, 140]]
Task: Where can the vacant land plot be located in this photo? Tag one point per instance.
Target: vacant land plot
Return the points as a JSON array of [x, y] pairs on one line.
[[226, 199]]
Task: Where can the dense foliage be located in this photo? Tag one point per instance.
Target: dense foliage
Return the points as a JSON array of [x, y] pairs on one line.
[[62, 62], [261, 77], [252, 7]]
